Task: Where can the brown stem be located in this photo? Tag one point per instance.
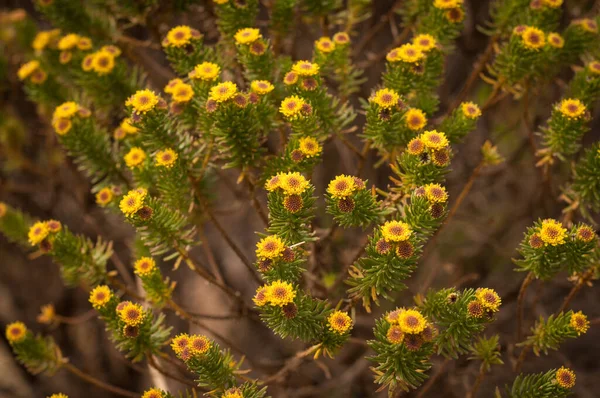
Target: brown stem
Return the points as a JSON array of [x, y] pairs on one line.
[[210, 255], [255, 203], [575, 289], [477, 382], [152, 362], [521, 358], [520, 303], [98, 383]]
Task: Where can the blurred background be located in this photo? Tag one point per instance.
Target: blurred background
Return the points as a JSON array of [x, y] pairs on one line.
[[475, 249]]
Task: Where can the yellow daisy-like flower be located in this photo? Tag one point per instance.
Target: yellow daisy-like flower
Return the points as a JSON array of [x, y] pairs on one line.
[[565, 377], [27, 69], [434, 140], [131, 203], [533, 38], [280, 293], [309, 146], [385, 98], [571, 108], [47, 314], [410, 53], [290, 78], [3, 209], [37, 233], [553, 3], [171, 85], [325, 45], [62, 126], [416, 146], [412, 322], [247, 35], [341, 187], [41, 40], [16, 332], [556, 40], [182, 93], [579, 322], [305, 68], [53, 226], [415, 119], [135, 157], [114, 50], [424, 42], [59, 395], [180, 342], [88, 62], [260, 298], [395, 335], [291, 107], [436, 193], [153, 393], [104, 196], [394, 316], [470, 110], [594, 67], [274, 182], [143, 101], [66, 110], [232, 393], [84, 43], [103, 62], [205, 71], [396, 231], [293, 183], [341, 38], [166, 158], [68, 42], [589, 25], [447, 4], [340, 322], [223, 91], [270, 247], [179, 36], [127, 127], [144, 266], [100, 296], [132, 314], [261, 87], [220, 1], [38, 77], [199, 344], [552, 232], [489, 299]]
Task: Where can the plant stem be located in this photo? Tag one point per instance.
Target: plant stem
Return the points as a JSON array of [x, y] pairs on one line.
[[98, 383], [583, 279], [152, 362], [255, 202], [423, 390], [521, 358], [477, 382], [520, 302]]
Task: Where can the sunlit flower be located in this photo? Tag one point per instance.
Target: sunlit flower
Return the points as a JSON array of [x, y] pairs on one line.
[[223, 91], [16, 332], [340, 322], [37, 233], [470, 110], [309, 146], [199, 344], [180, 342], [396, 231], [103, 62], [135, 157], [410, 53], [436, 193], [489, 299], [104, 196], [552, 232], [579, 322], [411, 321], [341, 186], [131, 203], [153, 393], [182, 93], [325, 45], [179, 36], [67, 42], [425, 42], [260, 298], [571, 108], [415, 119], [100, 296], [395, 335], [62, 126], [132, 314], [585, 233], [475, 309], [261, 87], [446, 4], [280, 293], [533, 38], [416, 146], [434, 140], [385, 98], [565, 377], [166, 158], [247, 35], [270, 247], [341, 38], [305, 68], [143, 101], [27, 69], [291, 107], [144, 266], [66, 110], [556, 40]]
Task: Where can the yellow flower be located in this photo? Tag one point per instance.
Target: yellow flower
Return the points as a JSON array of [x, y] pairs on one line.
[[62, 126], [416, 146], [293, 183], [182, 92], [47, 314], [280, 293], [552, 232], [59, 395], [179, 36], [166, 158], [127, 127], [394, 316], [309, 146], [410, 53], [434, 140], [579, 322], [415, 119], [37, 233], [424, 42], [339, 322], [565, 377], [65, 110], [594, 67], [305, 68], [385, 98], [100, 296], [87, 64], [270, 247], [27, 69], [488, 298], [412, 322], [571, 108], [261, 87], [38, 77], [396, 231], [260, 298], [274, 182], [341, 38], [180, 343], [199, 344], [533, 38], [341, 186], [84, 43], [290, 78], [232, 393], [446, 4], [65, 57], [436, 193], [556, 40], [104, 196], [131, 203], [135, 157], [291, 107], [553, 3], [585, 233], [16, 332], [53, 226], [3, 209], [144, 266], [589, 25], [220, 1], [41, 40], [114, 50], [132, 314], [205, 71], [68, 42], [171, 85], [247, 35], [153, 393], [103, 62], [325, 45], [223, 91], [470, 110], [143, 100]]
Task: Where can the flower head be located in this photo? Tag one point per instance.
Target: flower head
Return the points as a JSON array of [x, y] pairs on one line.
[[47, 314], [247, 35], [489, 299], [293, 183], [273, 183], [475, 309], [412, 322], [100, 296], [291, 107], [280, 293], [103, 62], [446, 4], [59, 395], [290, 78], [571, 108], [54, 226], [104, 196], [67, 42], [37, 233], [232, 393], [579, 322], [65, 110], [205, 71], [594, 67], [434, 140], [436, 193], [179, 36], [27, 69], [305, 68], [153, 393], [135, 157], [143, 101], [416, 146], [585, 233], [16, 332], [415, 119], [132, 314], [309, 146], [166, 158], [552, 232], [131, 203], [565, 377], [144, 266], [396, 231], [556, 40], [341, 38], [180, 342], [340, 322], [325, 45], [470, 110], [410, 53], [386, 98], [223, 91], [341, 187], [62, 126], [261, 87], [182, 92], [533, 38], [270, 247], [395, 335], [424, 42], [199, 344], [260, 298]]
